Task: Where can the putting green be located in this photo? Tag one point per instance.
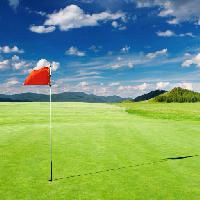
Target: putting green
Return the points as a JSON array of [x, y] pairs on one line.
[[100, 151]]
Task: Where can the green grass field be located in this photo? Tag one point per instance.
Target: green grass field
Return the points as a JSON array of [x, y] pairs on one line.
[[100, 151]]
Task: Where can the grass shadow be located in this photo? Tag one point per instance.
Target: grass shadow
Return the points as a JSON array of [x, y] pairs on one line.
[[126, 167]]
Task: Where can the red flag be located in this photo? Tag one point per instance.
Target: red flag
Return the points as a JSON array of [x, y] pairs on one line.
[[39, 77]]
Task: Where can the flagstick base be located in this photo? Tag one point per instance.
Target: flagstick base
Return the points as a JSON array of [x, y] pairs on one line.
[[51, 179]]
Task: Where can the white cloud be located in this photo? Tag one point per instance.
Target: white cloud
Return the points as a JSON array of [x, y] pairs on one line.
[[193, 61], [130, 64], [7, 49], [180, 10], [140, 87], [116, 66], [172, 21], [189, 34], [161, 85], [83, 84], [13, 4], [115, 24], [87, 73], [143, 3], [170, 33], [55, 65], [187, 63], [12, 81], [42, 29], [4, 64], [165, 12], [114, 84], [72, 17], [14, 63], [15, 58], [73, 51], [121, 28], [41, 13], [42, 63], [45, 63], [19, 65], [187, 54], [167, 33], [125, 49], [118, 26], [121, 63], [187, 86], [156, 53]]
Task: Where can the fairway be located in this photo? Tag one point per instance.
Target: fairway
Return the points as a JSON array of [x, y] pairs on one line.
[[100, 151]]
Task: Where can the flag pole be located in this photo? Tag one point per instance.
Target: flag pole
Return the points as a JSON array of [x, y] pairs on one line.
[[50, 129]]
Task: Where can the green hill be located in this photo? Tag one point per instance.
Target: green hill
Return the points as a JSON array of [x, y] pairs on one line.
[[149, 95], [179, 95], [61, 97]]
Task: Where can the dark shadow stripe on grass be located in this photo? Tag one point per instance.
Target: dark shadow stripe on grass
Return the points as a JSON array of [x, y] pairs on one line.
[[180, 157], [126, 167]]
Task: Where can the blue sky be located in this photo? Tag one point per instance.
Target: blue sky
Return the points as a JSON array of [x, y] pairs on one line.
[[104, 47]]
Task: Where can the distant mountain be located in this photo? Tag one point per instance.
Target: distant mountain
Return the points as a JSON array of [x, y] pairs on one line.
[[149, 95], [179, 95], [62, 97]]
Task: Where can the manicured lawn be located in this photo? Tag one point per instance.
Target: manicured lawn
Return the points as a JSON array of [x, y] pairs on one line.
[[100, 151]]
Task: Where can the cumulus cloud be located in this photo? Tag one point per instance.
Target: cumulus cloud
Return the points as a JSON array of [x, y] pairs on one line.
[[167, 33], [73, 51], [72, 17], [45, 63], [192, 61], [18, 64], [187, 86], [180, 10], [161, 85], [14, 63], [24, 66], [157, 53], [42, 29], [7, 49]]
